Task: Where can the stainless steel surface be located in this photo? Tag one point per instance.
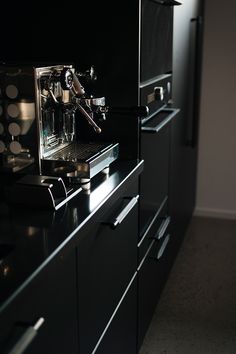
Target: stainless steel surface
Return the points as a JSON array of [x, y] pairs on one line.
[[40, 110], [163, 228], [163, 247], [81, 160]]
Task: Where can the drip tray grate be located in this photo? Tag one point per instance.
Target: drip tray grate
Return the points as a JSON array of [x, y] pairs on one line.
[[81, 160]]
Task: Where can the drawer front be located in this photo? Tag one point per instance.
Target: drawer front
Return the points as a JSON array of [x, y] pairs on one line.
[[42, 318], [156, 227], [151, 278], [121, 335], [107, 260]]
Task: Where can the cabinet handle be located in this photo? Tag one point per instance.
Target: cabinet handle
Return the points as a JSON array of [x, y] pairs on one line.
[[163, 247], [167, 2], [172, 113], [26, 338], [162, 229], [118, 220], [194, 80]]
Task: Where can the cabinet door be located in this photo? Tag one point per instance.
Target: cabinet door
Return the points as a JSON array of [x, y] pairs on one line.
[[107, 261], [42, 318], [187, 39]]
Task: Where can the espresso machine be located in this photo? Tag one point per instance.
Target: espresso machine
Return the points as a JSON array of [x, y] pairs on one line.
[[41, 147]]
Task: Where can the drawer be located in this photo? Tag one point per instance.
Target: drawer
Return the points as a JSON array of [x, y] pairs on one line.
[[121, 335], [152, 275], [34, 321], [107, 261], [156, 228]]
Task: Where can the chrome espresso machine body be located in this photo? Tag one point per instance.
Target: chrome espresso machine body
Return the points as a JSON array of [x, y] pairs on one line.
[[40, 143]]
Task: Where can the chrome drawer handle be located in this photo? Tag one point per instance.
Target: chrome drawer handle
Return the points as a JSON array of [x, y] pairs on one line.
[[167, 2], [118, 220], [23, 342], [163, 247], [162, 229]]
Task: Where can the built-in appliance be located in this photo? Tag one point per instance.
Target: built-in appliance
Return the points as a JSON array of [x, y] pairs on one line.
[[155, 150]]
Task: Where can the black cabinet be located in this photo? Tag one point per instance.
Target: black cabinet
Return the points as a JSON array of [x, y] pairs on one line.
[[42, 317], [107, 261]]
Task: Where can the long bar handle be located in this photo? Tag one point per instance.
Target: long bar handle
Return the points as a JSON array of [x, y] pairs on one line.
[[163, 247], [194, 78], [172, 113], [122, 215], [26, 338], [166, 2], [162, 229]]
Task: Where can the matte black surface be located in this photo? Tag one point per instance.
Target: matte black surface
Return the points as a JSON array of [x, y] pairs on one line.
[[38, 235]]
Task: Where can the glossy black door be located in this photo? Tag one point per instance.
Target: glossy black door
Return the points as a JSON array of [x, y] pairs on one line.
[[107, 261], [184, 132]]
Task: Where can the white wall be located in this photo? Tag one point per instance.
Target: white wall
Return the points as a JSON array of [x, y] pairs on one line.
[[216, 183]]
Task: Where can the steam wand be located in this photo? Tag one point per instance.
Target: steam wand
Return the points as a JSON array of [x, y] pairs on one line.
[[89, 118]]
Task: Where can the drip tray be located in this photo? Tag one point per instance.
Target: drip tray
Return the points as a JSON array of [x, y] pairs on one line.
[[81, 160]]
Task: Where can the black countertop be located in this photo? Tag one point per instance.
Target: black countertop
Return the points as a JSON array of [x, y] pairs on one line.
[[30, 238]]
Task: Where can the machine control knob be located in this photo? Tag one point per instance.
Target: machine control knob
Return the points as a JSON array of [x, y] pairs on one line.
[[1, 129], [14, 129], [66, 79], [15, 147], [159, 93], [2, 147]]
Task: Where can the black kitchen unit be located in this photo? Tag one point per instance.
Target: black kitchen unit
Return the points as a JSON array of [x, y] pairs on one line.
[[187, 47], [96, 266]]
